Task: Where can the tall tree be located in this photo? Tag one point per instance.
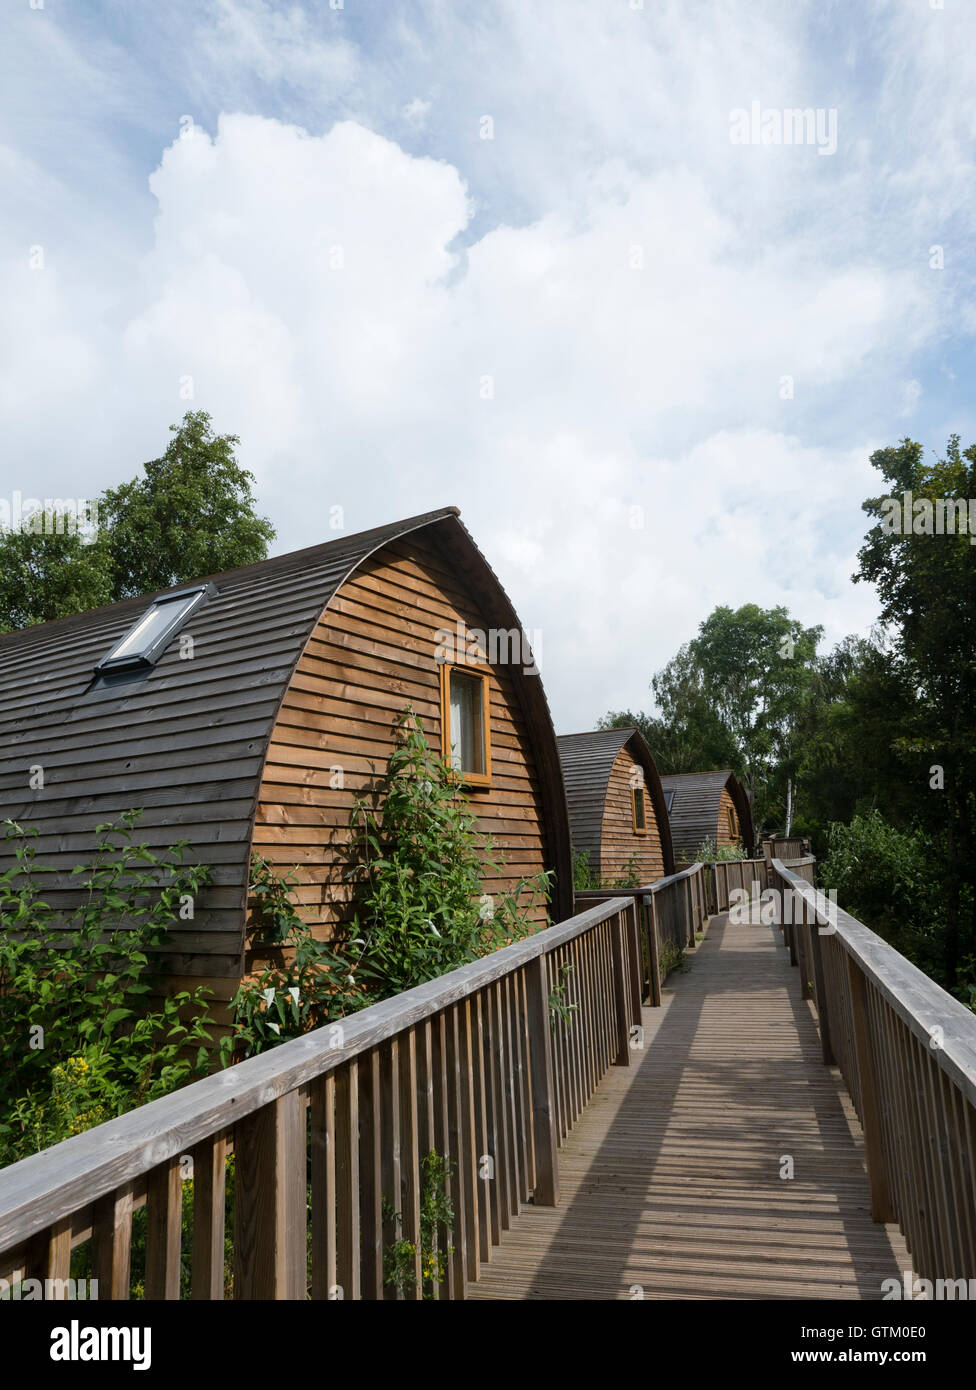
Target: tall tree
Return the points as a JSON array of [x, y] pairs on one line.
[[192, 513], [49, 570], [694, 739], [732, 697], [926, 579], [851, 762]]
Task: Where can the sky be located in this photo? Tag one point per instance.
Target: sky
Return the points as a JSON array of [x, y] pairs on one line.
[[553, 263]]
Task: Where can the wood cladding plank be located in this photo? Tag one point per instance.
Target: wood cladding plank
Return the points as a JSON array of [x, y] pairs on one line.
[[619, 841], [373, 652]]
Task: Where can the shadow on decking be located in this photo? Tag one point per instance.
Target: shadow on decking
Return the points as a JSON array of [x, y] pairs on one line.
[[673, 1184]]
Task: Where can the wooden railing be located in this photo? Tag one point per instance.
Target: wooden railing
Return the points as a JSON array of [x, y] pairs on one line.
[[786, 847], [738, 873], [488, 1066], [670, 912], [907, 1052]]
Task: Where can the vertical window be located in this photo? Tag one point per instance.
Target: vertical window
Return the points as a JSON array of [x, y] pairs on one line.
[[640, 823], [733, 824], [465, 729]]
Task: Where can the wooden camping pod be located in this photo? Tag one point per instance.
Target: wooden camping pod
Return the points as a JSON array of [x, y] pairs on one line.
[[261, 731], [616, 805], [707, 806]]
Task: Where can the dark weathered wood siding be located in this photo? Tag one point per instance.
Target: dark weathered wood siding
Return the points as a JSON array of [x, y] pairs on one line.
[[698, 811], [597, 768], [187, 743]]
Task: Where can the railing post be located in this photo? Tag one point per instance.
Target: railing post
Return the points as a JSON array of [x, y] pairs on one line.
[[881, 1209], [634, 962], [820, 979], [802, 954], [270, 1205], [789, 929], [621, 994], [653, 948], [209, 1196], [543, 1092], [112, 1242], [164, 1212], [689, 914]]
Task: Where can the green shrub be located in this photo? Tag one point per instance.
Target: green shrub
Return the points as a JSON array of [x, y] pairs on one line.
[[883, 876], [629, 876], [707, 852], [436, 1221], [670, 957], [78, 1044], [583, 876], [419, 867]]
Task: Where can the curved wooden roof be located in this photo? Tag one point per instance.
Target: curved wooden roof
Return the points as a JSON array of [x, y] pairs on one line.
[[695, 809], [588, 761], [187, 741]]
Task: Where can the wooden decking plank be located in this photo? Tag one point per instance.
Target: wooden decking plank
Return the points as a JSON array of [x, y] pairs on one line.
[[670, 1181]]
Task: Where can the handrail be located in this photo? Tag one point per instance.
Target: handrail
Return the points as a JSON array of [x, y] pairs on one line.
[[906, 1050], [92, 1163], [660, 884], [479, 1065], [924, 1006], [725, 870], [669, 911]]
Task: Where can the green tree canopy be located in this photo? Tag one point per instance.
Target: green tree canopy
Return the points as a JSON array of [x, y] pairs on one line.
[[191, 514], [732, 697], [926, 579], [850, 762], [49, 573]]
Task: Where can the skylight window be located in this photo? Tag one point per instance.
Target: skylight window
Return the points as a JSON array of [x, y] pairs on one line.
[[144, 643], [669, 799]]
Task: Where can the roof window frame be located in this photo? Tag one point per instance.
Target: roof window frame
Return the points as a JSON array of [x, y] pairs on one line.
[[146, 657]]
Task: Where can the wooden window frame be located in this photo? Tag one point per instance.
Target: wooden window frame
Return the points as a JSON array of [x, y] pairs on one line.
[[633, 809], [733, 823], [477, 781]]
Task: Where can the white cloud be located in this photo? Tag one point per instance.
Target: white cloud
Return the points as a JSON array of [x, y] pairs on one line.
[[277, 44], [911, 393], [415, 113], [635, 287]]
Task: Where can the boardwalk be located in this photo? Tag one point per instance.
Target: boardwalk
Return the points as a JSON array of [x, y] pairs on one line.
[[670, 1183]]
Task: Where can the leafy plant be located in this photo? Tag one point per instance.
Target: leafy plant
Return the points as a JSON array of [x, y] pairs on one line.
[[313, 986], [630, 874], [558, 1007], [436, 1220], [670, 958], [883, 876], [708, 853], [420, 865], [79, 1044], [583, 876]]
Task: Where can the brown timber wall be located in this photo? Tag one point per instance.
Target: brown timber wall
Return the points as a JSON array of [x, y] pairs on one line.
[[619, 842], [372, 652], [722, 836]]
